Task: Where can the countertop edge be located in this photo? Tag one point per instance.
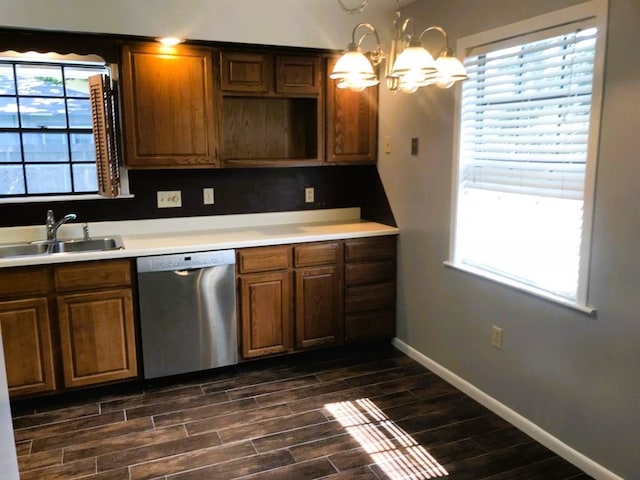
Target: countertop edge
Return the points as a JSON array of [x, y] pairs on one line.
[[216, 239]]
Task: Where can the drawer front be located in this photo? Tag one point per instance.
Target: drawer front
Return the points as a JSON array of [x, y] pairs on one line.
[[370, 297], [368, 325], [86, 275], [24, 281], [369, 272], [264, 259], [316, 254], [370, 249]]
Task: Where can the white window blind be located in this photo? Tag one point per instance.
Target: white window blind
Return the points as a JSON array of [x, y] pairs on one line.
[[523, 153]]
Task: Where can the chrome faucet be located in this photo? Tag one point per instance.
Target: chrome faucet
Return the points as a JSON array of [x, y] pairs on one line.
[[53, 226]]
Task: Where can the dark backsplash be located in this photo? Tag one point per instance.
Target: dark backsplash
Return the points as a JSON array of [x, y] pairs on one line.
[[237, 191]]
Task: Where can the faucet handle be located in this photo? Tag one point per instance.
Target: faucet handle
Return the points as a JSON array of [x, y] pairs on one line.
[[50, 217]]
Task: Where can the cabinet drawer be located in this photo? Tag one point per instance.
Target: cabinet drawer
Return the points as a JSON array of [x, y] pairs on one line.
[[367, 325], [24, 281], [264, 259], [92, 275], [369, 272], [370, 249], [316, 254], [370, 297]]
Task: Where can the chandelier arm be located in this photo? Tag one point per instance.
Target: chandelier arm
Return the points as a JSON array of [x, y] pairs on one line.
[[437, 29], [369, 27], [354, 10]]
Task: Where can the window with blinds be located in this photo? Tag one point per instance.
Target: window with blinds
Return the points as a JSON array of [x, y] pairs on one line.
[[525, 147]]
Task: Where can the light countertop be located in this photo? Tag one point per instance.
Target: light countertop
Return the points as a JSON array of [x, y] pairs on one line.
[[192, 234]]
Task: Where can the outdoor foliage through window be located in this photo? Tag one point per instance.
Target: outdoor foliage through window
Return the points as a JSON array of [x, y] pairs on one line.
[[46, 139]]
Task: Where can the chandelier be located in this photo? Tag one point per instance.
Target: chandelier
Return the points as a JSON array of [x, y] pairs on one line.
[[408, 65]]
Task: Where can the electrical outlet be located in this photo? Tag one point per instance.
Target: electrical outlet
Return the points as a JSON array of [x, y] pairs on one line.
[[387, 144], [309, 195], [496, 337], [169, 199], [207, 196]]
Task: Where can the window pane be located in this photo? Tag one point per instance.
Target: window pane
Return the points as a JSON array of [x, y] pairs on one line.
[[531, 239], [79, 113], [10, 147], [48, 179], [42, 113], [82, 149], [45, 147], [11, 180], [85, 178], [77, 82], [8, 113], [7, 85], [39, 80]]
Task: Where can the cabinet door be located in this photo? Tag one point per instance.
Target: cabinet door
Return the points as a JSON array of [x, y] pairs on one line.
[[265, 311], [26, 337], [318, 317], [246, 72], [352, 123], [168, 106], [97, 337], [297, 74]]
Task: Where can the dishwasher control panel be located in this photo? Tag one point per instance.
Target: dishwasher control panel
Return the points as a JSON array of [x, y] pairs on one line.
[[186, 261]]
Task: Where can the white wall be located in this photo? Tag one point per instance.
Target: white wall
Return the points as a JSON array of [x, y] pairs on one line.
[[576, 376], [305, 23]]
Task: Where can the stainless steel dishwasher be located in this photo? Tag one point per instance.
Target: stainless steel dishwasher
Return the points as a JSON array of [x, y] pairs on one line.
[[187, 312]]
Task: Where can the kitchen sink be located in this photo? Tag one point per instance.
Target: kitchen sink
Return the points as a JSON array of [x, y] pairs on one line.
[[91, 245], [61, 246], [20, 250]]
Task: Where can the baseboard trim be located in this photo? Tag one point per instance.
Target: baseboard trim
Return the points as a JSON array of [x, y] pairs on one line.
[[581, 461]]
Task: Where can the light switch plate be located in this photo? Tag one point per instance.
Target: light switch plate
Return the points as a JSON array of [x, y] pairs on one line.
[[309, 195], [207, 196], [169, 199]]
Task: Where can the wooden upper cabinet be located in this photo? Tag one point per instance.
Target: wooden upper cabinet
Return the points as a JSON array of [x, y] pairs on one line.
[[168, 106], [351, 122], [246, 72]]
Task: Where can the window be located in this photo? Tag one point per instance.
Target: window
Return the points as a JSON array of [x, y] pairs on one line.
[[528, 123], [46, 136]]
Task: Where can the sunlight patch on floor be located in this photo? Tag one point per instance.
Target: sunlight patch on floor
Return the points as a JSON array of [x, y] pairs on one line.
[[390, 447]]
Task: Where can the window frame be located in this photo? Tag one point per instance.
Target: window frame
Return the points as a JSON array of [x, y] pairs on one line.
[[47, 61], [596, 11]]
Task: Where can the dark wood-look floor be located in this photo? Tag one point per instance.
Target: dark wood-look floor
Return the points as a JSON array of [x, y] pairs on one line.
[[337, 414]]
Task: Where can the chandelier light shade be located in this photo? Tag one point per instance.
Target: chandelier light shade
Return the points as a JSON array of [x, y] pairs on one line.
[[354, 71], [409, 66]]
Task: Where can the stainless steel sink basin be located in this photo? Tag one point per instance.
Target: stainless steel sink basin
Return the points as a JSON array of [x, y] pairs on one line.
[[91, 245], [61, 246], [23, 249]]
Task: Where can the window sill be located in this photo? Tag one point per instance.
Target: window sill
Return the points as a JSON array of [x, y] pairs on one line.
[[522, 288], [61, 198]]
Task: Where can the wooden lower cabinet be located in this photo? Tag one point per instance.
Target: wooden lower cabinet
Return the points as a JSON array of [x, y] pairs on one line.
[[65, 326], [97, 337], [265, 313], [318, 320], [26, 336], [370, 288]]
